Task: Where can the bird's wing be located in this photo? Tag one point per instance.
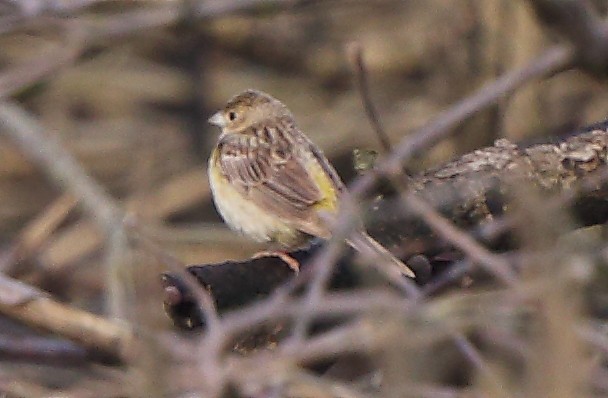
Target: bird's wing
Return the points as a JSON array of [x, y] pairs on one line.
[[265, 168], [327, 167]]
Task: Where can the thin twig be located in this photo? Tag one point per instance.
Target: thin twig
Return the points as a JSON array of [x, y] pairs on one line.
[[454, 273], [322, 267], [36, 233], [355, 56]]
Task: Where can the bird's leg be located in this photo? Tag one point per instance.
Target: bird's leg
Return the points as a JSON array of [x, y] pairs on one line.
[[284, 256]]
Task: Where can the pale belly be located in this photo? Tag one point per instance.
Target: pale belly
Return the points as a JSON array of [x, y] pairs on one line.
[[246, 217]]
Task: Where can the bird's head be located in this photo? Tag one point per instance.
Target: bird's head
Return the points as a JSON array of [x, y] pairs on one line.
[[247, 109]]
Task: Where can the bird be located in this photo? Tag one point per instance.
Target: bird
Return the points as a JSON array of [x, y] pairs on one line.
[[271, 183]]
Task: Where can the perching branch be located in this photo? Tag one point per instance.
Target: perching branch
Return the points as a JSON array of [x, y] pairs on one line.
[[470, 191]]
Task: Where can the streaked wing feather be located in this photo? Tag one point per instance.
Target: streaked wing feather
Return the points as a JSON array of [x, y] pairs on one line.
[[270, 176]]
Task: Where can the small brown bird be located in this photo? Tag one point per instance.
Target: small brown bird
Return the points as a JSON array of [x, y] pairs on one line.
[[271, 183]]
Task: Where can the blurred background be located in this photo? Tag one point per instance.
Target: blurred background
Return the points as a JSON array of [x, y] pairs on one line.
[[131, 101]]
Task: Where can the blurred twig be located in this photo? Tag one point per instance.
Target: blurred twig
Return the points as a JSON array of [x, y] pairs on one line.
[[155, 14], [84, 32], [18, 77], [35, 233], [182, 191], [41, 350], [496, 264], [579, 23], [34, 308], [46, 150]]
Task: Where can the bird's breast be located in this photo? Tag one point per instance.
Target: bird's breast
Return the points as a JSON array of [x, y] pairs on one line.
[[240, 213]]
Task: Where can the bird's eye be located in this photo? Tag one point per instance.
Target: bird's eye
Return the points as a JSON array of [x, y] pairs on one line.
[[232, 116]]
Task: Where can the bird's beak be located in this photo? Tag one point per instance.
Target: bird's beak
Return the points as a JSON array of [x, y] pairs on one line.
[[217, 119]]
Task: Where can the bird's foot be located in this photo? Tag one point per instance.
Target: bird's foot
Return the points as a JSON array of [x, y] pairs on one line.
[[286, 258]]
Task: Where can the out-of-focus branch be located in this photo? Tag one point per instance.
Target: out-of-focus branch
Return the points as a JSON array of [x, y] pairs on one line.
[[36, 232], [20, 76], [85, 31], [181, 191], [579, 23], [34, 8], [47, 151], [155, 14], [111, 340], [445, 229], [41, 350]]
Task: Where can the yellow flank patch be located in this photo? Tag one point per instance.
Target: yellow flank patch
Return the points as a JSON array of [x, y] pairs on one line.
[[327, 188]]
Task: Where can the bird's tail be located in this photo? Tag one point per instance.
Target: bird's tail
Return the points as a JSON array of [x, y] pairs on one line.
[[367, 245]]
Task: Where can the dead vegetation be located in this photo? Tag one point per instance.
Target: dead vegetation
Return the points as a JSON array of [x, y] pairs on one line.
[[103, 145]]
